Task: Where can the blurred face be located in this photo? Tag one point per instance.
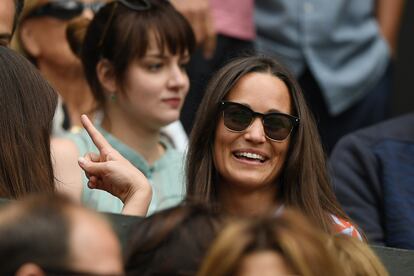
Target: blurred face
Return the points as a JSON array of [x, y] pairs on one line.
[[155, 88], [248, 159], [7, 11], [94, 247], [44, 37], [265, 263]]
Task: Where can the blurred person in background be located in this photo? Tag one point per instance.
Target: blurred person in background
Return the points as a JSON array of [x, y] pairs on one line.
[[50, 235], [10, 11], [134, 56], [341, 52], [41, 37], [372, 173]]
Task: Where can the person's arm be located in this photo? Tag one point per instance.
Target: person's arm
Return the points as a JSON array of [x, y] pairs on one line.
[[389, 14], [111, 172], [68, 175], [198, 13], [357, 185]]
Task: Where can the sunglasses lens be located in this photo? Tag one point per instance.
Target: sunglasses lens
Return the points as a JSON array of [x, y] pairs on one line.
[[59, 9], [236, 117], [277, 126]]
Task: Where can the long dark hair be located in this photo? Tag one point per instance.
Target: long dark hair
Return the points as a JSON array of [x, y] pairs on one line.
[[304, 182], [27, 106]]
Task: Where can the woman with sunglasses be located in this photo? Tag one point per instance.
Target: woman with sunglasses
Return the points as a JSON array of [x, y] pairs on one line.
[[255, 148], [134, 55], [41, 37]]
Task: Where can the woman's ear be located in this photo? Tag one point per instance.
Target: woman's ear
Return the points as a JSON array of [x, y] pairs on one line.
[[30, 269], [28, 39], [106, 75]]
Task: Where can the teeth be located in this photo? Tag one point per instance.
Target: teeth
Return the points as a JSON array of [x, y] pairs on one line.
[[250, 155]]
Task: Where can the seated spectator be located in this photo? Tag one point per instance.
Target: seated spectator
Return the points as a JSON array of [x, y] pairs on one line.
[[252, 154], [134, 55], [27, 104], [172, 241], [373, 172], [50, 235], [40, 36], [285, 245]]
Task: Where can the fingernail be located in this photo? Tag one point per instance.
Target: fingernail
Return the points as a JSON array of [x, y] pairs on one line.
[[82, 160]]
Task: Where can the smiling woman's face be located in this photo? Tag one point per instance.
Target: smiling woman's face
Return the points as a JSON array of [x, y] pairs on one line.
[[248, 159]]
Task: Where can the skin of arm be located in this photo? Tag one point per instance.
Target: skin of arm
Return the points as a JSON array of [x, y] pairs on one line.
[[389, 18], [68, 175]]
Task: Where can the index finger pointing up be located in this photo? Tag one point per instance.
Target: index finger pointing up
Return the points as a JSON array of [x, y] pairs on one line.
[[97, 138]]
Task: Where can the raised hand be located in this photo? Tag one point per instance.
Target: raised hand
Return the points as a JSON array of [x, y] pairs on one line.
[[111, 172]]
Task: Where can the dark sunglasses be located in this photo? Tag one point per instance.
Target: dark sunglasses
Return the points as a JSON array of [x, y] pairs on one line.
[[65, 9], [238, 117], [135, 5]]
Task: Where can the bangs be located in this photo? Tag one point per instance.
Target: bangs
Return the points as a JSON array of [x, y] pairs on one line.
[[174, 34], [171, 30]]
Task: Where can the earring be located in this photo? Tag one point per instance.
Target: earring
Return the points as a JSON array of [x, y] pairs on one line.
[[113, 97]]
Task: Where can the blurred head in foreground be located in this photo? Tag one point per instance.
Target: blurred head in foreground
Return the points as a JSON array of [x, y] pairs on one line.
[[50, 235], [283, 245]]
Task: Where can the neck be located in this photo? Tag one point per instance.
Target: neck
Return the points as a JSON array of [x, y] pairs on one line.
[[247, 202], [142, 139], [73, 88]]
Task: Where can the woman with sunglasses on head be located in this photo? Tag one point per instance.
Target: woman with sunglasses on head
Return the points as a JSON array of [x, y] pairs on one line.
[[41, 37], [255, 148], [134, 55]]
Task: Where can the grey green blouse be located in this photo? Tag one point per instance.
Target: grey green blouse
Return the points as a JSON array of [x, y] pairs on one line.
[[166, 175]]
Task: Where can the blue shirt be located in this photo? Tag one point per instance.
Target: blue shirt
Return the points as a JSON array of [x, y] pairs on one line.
[[338, 40], [166, 175]]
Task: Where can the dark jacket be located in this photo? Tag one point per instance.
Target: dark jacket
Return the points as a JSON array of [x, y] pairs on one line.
[[373, 178]]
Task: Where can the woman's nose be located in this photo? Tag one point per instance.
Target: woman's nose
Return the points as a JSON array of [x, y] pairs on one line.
[[178, 76], [255, 132]]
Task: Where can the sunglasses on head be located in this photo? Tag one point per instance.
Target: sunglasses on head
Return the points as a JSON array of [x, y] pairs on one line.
[[238, 117], [64, 9], [135, 5]]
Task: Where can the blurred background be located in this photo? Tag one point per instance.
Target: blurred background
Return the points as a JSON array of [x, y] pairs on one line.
[[403, 94]]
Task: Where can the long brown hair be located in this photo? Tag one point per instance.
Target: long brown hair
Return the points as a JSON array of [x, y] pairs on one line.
[[303, 248], [303, 183], [27, 106]]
